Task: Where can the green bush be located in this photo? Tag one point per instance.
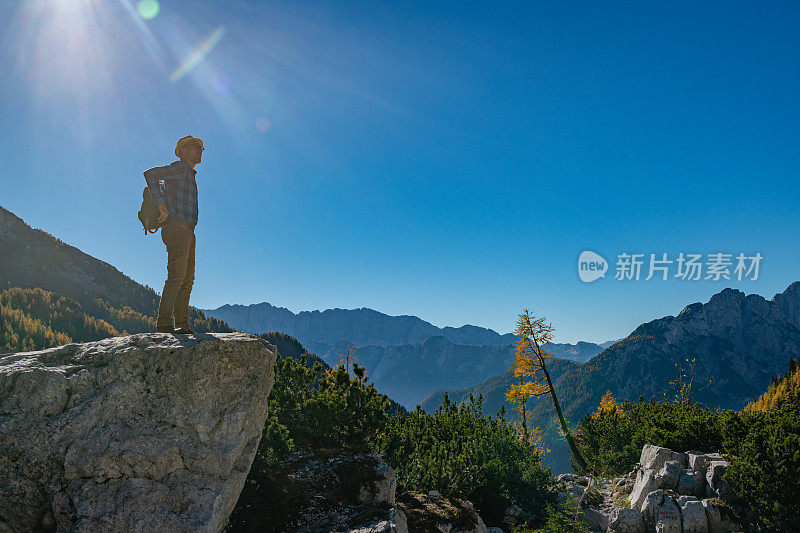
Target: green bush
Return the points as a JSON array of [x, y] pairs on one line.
[[612, 439], [312, 408], [764, 472], [463, 453], [328, 409], [560, 521]]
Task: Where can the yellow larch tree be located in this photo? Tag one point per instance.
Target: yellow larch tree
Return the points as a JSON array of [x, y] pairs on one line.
[[530, 361]]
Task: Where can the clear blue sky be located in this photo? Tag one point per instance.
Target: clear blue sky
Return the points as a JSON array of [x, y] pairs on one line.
[[448, 160]]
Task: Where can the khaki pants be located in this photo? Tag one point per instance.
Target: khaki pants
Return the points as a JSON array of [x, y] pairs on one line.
[[179, 238]]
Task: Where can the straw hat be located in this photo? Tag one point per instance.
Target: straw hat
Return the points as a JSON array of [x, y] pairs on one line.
[[185, 141]]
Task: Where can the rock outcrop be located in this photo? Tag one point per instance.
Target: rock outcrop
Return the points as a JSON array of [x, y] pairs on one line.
[[673, 492], [150, 432]]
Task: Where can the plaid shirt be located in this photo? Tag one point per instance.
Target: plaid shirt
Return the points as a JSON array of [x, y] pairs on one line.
[[180, 189]]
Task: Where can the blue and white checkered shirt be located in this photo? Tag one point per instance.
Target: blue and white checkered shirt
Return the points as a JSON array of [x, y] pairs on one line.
[[180, 190]]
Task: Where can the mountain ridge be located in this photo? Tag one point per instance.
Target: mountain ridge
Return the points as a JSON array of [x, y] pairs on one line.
[[739, 343], [310, 326], [318, 330]]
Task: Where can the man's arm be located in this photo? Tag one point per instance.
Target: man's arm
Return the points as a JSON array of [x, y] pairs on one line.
[[157, 174], [154, 176]]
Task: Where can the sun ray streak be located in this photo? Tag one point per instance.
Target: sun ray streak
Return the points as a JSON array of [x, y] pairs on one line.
[[197, 55]]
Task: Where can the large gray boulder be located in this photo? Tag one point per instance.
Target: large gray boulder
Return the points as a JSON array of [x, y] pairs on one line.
[[691, 483], [721, 518], [669, 475], [646, 482], [654, 457], [661, 513], [693, 515], [700, 461], [625, 520], [149, 432]]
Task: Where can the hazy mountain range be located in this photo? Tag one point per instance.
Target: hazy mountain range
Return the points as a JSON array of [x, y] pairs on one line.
[[320, 330], [405, 356]]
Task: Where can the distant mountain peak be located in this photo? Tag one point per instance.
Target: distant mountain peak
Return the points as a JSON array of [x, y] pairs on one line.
[[361, 326]]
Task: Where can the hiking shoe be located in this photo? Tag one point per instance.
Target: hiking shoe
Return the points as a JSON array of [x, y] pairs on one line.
[[183, 331], [165, 329]]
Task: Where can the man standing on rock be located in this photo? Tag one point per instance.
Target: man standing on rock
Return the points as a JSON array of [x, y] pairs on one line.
[[177, 204]]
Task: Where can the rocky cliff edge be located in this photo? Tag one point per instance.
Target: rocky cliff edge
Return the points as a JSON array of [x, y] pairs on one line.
[[150, 432]]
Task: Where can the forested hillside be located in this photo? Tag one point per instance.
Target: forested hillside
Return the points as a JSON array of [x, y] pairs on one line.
[[784, 390], [80, 297]]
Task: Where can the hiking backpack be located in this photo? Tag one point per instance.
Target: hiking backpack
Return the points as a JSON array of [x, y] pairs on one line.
[[148, 214]]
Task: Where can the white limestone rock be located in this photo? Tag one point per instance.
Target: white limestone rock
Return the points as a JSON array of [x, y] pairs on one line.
[[683, 499], [654, 457], [667, 516], [149, 432], [693, 514], [646, 482], [625, 520], [661, 513], [691, 483], [699, 461], [721, 518], [669, 475]]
